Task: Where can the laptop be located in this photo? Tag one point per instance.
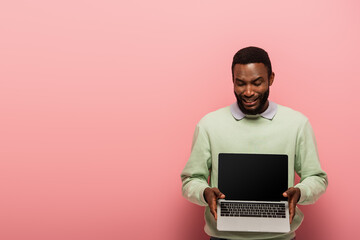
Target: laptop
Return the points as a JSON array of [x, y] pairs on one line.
[[253, 185]]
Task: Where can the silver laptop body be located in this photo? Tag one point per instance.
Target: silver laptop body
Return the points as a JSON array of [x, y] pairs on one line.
[[253, 185]]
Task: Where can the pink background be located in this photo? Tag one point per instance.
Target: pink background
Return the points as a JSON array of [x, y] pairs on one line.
[[99, 101]]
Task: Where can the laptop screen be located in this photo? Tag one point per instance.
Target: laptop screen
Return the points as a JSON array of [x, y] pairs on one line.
[[255, 177]]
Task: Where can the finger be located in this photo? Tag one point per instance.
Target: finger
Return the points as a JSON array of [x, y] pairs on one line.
[[213, 209], [218, 193], [291, 212], [290, 194], [221, 196], [213, 212]]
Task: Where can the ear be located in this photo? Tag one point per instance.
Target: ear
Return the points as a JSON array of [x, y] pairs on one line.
[[271, 80]]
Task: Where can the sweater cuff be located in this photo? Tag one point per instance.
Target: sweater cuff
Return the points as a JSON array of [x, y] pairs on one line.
[[202, 199], [303, 193]]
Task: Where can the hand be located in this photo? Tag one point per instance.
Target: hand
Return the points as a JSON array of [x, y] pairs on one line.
[[293, 195], [211, 196]]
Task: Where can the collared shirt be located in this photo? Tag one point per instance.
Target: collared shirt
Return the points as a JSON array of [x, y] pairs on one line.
[[269, 113]]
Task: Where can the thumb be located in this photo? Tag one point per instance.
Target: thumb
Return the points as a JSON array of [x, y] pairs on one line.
[[289, 192], [218, 193]]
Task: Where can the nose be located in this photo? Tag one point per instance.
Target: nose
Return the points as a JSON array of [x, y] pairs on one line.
[[248, 91]]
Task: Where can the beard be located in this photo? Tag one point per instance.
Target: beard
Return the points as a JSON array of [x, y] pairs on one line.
[[261, 108]]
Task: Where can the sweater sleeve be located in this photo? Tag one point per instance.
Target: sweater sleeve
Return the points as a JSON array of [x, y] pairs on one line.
[[196, 172], [313, 182]]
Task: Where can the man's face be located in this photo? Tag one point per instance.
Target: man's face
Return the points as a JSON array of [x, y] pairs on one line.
[[251, 87]]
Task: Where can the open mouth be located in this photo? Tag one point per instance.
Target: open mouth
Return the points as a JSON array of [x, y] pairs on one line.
[[250, 102]]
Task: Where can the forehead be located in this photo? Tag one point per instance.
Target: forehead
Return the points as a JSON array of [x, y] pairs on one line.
[[250, 71]]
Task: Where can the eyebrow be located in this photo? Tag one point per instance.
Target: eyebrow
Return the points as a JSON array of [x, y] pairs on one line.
[[259, 78]]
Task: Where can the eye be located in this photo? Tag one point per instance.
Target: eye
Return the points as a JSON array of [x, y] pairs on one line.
[[240, 83], [258, 82]]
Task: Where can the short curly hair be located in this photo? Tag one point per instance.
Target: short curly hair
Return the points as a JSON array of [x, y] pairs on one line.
[[252, 55]]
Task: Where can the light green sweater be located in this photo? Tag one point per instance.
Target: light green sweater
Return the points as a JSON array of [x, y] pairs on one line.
[[289, 132]]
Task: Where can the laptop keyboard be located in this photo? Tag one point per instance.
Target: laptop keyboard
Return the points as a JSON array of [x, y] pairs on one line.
[[251, 209]]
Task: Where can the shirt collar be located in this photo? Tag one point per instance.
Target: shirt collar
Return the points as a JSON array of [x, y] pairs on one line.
[[269, 113]]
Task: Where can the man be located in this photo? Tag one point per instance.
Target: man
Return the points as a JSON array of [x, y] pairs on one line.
[[253, 125]]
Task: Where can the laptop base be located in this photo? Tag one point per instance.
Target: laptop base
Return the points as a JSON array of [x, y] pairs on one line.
[[253, 224]]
